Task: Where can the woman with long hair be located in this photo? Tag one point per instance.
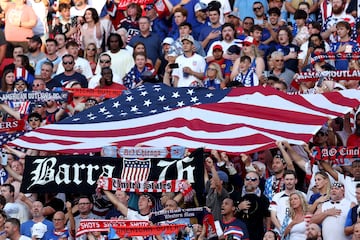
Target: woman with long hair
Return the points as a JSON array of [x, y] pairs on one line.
[[7, 81], [90, 54], [213, 78], [91, 31], [322, 185], [296, 228], [257, 61], [140, 47]]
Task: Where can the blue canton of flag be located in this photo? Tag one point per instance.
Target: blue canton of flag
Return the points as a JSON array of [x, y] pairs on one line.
[[146, 100]]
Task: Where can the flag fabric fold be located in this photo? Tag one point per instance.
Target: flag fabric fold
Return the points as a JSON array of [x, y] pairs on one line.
[[238, 120]]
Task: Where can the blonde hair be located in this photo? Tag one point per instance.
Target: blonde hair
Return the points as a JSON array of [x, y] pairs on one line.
[[325, 176], [304, 205], [218, 71]]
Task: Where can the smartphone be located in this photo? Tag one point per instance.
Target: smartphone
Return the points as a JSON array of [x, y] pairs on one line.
[[4, 159], [173, 65], [74, 21]]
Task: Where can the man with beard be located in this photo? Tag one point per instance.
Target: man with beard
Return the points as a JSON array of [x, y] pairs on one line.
[[69, 74], [227, 39], [37, 213], [279, 206], [253, 207], [106, 80], [338, 14], [349, 182], [332, 214], [34, 48], [313, 232], [232, 227]]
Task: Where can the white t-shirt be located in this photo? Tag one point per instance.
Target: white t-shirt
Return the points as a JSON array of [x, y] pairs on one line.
[[80, 63], [350, 186], [195, 62], [333, 226]]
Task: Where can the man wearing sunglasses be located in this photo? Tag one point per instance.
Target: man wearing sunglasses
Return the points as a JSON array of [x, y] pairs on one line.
[[104, 61], [253, 206], [69, 74]]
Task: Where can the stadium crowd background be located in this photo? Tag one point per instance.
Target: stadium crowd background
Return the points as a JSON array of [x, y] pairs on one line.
[[272, 194]]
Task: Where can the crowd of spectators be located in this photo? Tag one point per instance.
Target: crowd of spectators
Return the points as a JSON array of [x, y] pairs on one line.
[[47, 45]]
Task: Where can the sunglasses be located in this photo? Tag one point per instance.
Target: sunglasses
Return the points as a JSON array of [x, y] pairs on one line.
[[212, 69], [279, 60], [91, 49], [254, 179], [18, 84], [37, 85], [321, 134], [65, 63], [34, 119], [105, 61], [257, 8]]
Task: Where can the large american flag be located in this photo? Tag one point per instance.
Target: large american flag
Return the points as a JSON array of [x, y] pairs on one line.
[[237, 120]]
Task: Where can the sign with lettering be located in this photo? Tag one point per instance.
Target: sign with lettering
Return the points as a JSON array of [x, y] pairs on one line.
[[142, 152], [79, 173], [337, 155], [34, 96]]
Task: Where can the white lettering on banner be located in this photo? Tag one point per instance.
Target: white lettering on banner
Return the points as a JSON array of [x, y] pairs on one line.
[[180, 169], [45, 172]]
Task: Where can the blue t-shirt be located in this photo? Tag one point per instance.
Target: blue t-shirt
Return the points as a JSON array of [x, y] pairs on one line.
[[25, 228]]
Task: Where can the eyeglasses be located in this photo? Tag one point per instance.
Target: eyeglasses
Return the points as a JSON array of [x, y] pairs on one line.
[[212, 69], [83, 204], [254, 179], [105, 61], [34, 119], [257, 8], [65, 63], [278, 60], [91, 49], [37, 85], [18, 84]]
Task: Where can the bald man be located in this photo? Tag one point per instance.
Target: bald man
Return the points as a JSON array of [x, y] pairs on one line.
[[60, 230], [314, 232]]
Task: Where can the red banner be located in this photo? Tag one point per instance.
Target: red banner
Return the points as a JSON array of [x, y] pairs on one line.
[[337, 155], [92, 225], [330, 75], [12, 126], [87, 92], [148, 230], [123, 3]]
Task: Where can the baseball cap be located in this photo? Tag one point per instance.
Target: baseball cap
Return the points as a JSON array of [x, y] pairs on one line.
[[223, 176], [167, 40], [234, 14], [234, 49], [217, 47], [200, 6], [35, 38], [337, 185], [188, 37], [249, 41], [38, 230]]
